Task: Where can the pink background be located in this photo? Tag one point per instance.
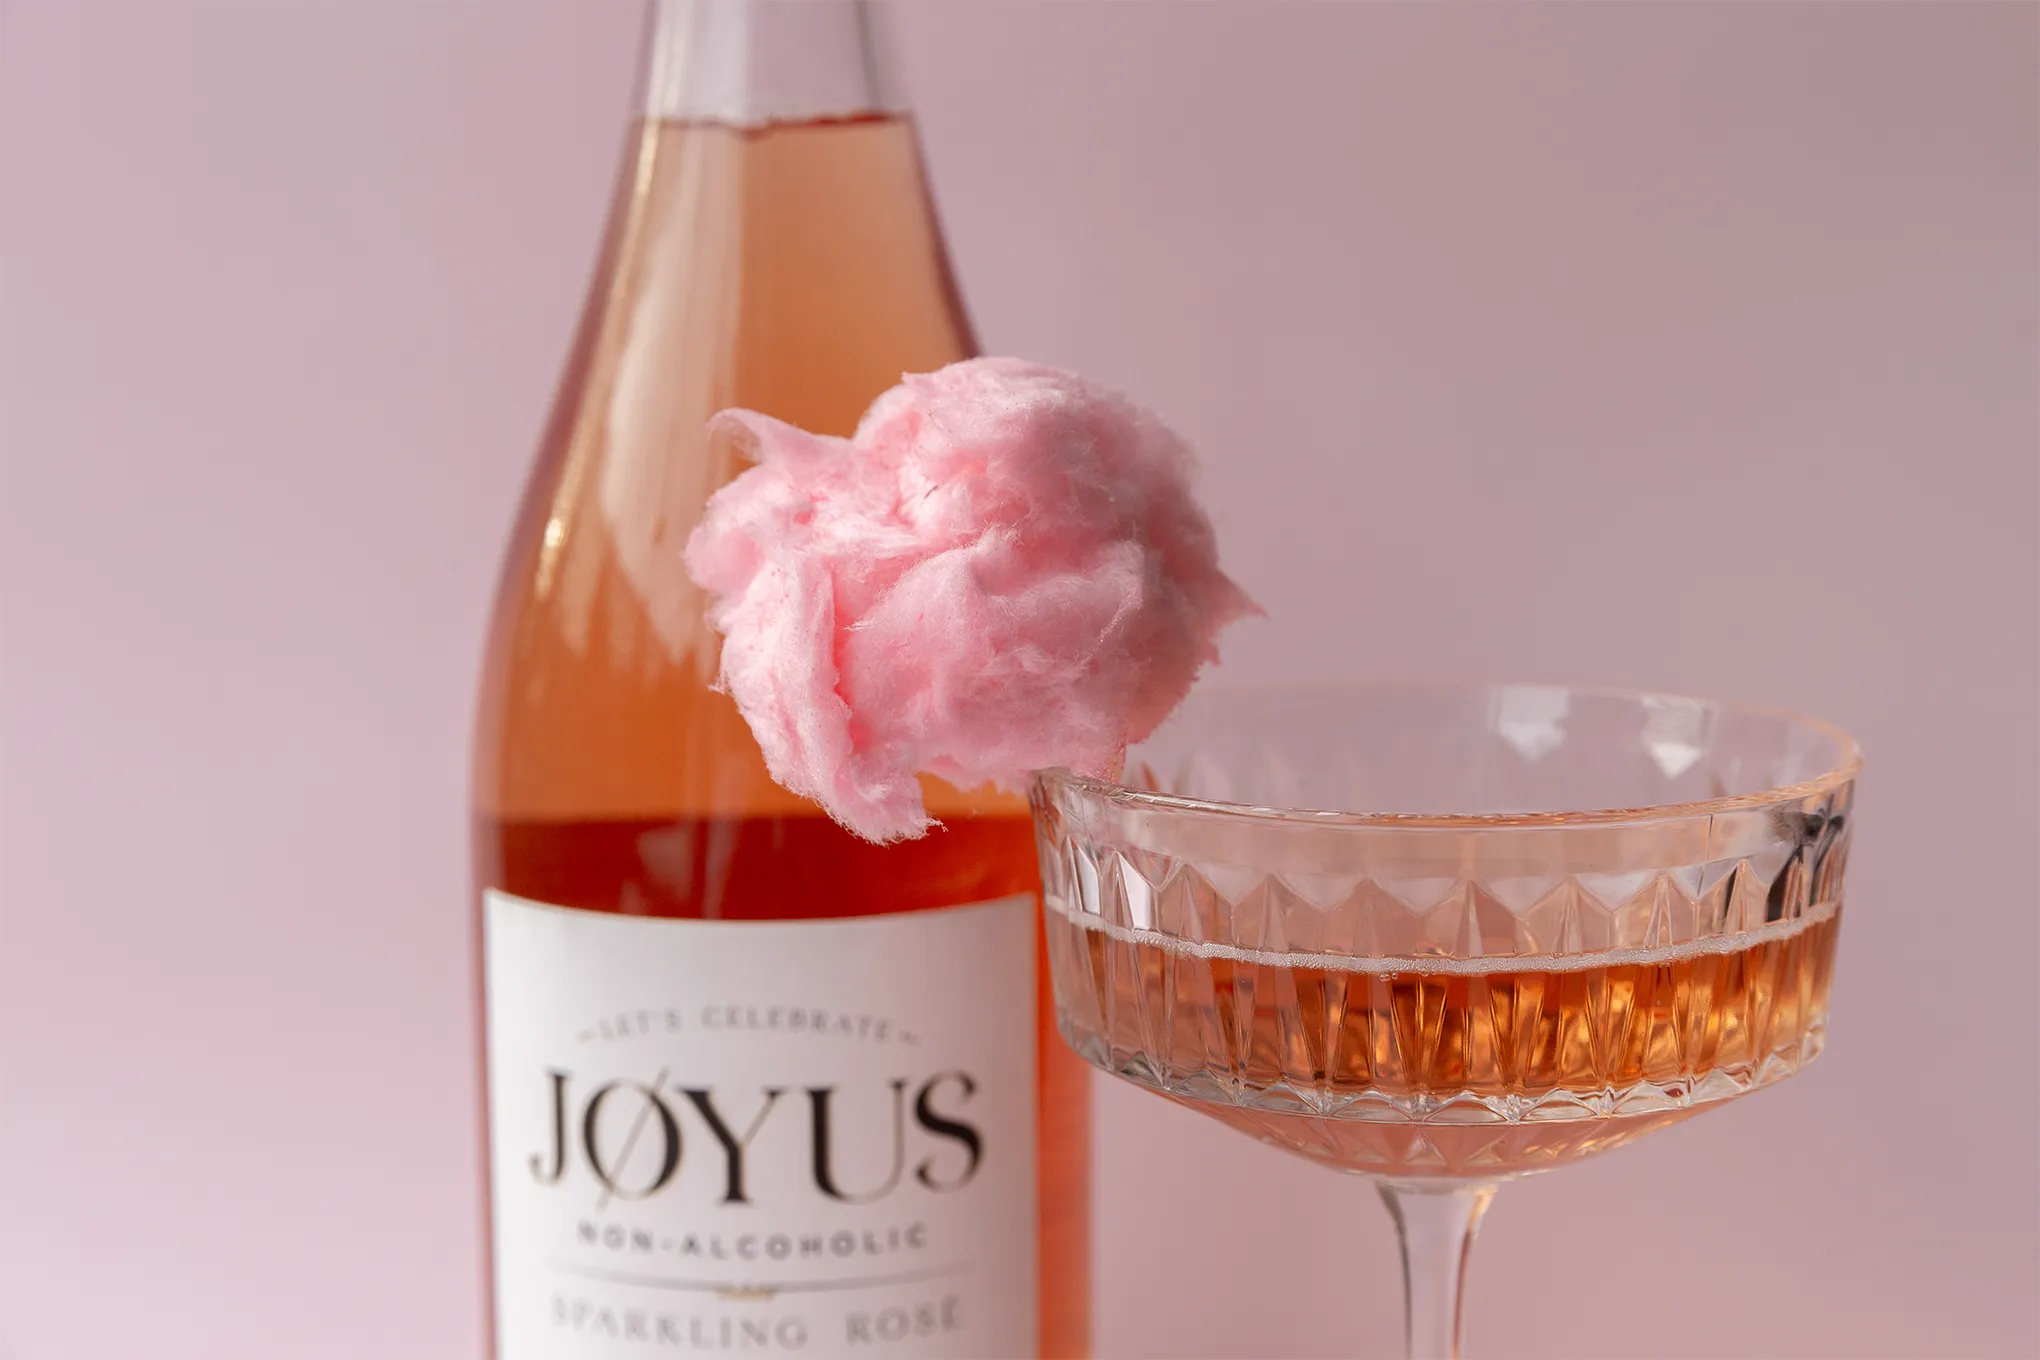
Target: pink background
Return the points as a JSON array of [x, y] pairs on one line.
[[1668, 345]]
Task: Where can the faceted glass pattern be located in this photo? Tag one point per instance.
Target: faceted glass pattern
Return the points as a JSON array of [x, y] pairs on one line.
[[1451, 932]]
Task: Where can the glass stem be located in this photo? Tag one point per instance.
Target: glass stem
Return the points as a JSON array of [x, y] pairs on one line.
[[1435, 1224]]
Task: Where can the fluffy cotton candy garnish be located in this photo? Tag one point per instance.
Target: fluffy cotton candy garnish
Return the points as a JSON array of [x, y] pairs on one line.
[[1003, 570]]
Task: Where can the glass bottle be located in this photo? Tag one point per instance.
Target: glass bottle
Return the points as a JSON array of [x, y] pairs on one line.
[[751, 1083]]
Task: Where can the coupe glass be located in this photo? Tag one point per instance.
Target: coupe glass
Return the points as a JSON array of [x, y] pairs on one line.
[[1443, 936]]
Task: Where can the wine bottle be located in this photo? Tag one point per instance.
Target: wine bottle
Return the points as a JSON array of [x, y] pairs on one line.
[[752, 1085]]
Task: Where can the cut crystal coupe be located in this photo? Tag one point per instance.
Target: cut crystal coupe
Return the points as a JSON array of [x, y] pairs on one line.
[[1443, 936]]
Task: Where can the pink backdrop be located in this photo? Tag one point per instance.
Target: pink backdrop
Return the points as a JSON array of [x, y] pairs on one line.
[[1684, 346]]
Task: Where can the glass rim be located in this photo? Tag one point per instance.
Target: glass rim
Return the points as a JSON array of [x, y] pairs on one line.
[[1848, 764]]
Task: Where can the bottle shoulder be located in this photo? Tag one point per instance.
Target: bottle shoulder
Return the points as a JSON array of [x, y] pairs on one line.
[[794, 270]]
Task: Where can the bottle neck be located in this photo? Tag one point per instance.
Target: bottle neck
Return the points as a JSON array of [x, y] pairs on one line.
[[751, 62]]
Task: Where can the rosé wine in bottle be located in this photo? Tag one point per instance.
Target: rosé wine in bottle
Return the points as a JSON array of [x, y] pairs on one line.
[[752, 1084]]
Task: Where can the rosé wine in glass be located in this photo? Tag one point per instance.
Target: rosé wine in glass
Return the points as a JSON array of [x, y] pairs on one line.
[[1444, 936]]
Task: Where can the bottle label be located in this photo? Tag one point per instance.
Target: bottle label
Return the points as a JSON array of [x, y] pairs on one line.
[[762, 1137]]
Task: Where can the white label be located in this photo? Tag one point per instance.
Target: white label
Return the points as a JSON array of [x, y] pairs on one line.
[[762, 1138]]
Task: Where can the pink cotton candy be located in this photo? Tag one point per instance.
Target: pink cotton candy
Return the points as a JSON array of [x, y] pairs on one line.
[[1003, 570]]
